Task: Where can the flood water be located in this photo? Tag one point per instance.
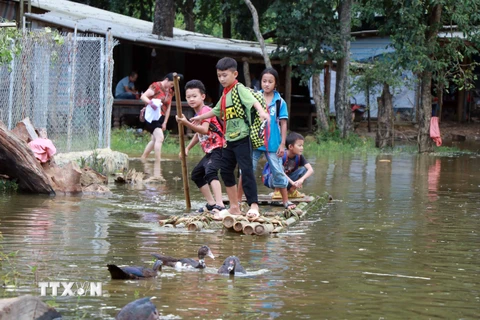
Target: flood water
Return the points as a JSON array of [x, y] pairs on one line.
[[400, 241]]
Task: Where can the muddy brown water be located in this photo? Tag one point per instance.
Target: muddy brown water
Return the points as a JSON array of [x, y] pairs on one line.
[[400, 241]]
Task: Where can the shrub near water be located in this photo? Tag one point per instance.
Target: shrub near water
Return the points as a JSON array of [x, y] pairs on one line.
[[330, 142], [8, 185]]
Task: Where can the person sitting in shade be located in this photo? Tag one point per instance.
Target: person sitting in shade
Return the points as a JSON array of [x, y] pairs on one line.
[[126, 87]]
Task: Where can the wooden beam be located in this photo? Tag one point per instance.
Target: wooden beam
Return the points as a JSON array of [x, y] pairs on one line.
[[8, 25], [288, 90]]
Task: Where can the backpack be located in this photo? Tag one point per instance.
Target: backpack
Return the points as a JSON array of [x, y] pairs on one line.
[[258, 128], [212, 127], [267, 173]]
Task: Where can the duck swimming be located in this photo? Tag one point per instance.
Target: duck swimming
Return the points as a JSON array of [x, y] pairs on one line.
[[203, 252], [134, 272], [141, 309], [231, 266]]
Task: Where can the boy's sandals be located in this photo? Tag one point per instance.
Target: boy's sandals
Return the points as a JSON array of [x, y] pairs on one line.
[[210, 208], [296, 194], [277, 195], [289, 205], [253, 214]]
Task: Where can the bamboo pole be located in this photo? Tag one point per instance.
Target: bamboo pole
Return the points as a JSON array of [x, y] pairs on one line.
[[277, 230], [263, 229], [178, 100], [239, 225], [228, 221], [196, 226], [249, 229]]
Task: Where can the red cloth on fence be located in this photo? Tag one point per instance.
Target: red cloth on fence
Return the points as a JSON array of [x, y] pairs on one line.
[[435, 131], [43, 149]]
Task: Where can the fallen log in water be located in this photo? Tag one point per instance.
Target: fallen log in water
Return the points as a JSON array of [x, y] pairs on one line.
[[18, 162]]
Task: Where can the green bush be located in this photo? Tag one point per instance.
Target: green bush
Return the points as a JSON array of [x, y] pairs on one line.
[[8, 185]]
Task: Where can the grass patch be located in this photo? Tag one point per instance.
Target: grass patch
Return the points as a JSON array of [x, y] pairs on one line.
[[129, 141], [330, 142]]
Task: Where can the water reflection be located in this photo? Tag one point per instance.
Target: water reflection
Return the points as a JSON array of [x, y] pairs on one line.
[[396, 222]]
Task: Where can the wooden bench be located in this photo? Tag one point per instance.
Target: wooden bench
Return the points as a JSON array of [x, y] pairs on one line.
[[122, 107]]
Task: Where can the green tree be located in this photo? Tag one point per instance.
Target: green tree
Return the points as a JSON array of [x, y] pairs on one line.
[[431, 53], [308, 33]]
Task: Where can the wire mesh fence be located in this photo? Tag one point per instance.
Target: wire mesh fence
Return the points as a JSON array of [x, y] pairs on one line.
[[62, 83]]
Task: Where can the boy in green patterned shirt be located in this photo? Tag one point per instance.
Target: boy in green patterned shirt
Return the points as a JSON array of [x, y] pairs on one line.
[[237, 135]]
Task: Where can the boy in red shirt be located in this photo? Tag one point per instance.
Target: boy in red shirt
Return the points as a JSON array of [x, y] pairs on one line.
[[210, 136]]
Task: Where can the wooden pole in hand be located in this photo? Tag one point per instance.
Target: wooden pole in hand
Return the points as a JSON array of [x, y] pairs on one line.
[[178, 100]]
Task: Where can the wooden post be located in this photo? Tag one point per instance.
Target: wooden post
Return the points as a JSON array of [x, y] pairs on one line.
[[288, 91], [178, 100], [246, 73], [460, 103], [22, 7], [368, 108], [327, 82]]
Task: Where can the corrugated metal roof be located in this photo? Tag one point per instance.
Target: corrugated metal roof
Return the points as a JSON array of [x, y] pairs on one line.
[[92, 20]]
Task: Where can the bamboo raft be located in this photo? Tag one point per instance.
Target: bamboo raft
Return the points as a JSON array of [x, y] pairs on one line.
[[271, 222]]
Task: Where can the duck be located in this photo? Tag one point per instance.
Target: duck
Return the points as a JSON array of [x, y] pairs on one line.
[[231, 266], [203, 252], [134, 272], [140, 309]]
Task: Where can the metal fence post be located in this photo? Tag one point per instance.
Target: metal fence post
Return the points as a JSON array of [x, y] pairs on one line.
[[101, 116], [10, 92], [72, 91]]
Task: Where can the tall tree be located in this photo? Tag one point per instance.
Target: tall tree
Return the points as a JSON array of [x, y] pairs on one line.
[[164, 18], [415, 28], [342, 102], [308, 33]]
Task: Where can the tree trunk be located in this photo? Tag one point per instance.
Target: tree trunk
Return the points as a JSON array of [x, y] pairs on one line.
[[425, 144], [342, 103], [18, 161], [385, 130], [164, 18], [227, 24], [258, 34], [319, 102], [189, 15]]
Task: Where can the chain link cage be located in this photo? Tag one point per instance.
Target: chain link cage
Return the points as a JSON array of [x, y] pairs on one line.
[[63, 83]]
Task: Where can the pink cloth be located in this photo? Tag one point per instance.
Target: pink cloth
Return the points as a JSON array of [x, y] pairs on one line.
[[42, 148], [435, 131]]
